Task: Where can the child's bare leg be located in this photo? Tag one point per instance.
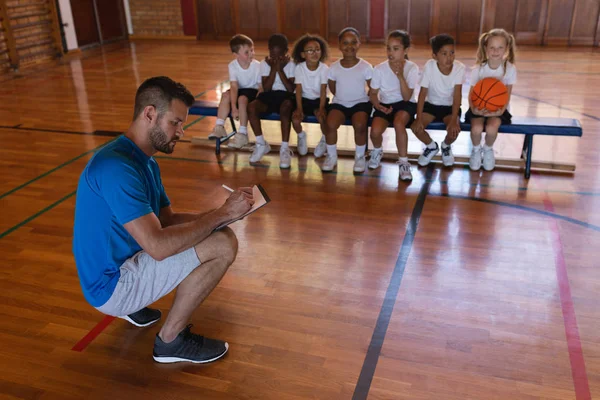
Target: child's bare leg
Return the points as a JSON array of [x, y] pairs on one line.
[[400, 120], [378, 127], [285, 114], [476, 130], [243, 110], [224, 106], [422, 135], [335, 118], [491, 130], [450, 138], [256, 108]]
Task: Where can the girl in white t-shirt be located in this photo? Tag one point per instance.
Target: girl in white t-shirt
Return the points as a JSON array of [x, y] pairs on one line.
[[309, 54], [393, 97], [439, 99], [495, 58], [349, 79]]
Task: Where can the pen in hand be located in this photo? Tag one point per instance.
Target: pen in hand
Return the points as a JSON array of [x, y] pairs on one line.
[[227, 188]]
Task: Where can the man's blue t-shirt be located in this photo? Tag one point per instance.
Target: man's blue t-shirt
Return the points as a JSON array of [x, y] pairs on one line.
[[118, 185]]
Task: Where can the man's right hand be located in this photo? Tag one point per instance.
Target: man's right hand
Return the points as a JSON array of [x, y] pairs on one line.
[[238, 203]]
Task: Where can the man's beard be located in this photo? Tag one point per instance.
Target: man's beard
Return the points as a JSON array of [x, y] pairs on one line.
[[158, 140]]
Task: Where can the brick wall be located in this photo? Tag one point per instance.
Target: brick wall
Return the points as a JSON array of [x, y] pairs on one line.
[[33, 28], [156, 17]]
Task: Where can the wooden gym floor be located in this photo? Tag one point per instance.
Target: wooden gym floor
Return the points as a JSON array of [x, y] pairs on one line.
[[459, 285]]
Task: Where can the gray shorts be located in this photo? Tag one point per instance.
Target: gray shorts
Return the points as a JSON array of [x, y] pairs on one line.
[[144, 280]]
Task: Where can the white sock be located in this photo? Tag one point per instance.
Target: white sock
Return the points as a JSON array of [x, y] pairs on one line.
[[403, 159], [260, 139], [444, 145], [432, 145], [486, 147], [302, 134], [220, 121], [360, 150], [285, 145], [378, 149], [332, 150], [243, 129]]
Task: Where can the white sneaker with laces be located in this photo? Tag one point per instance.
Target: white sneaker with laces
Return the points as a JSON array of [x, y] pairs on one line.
[[330, 163], [427, 156], [302, 145], [405, 173], [259, 151], [360, 163], [475, 160], [285, 158], [375, 158], [489, 160], [218, 132], [321, 148], [238, 141], [447, 156]]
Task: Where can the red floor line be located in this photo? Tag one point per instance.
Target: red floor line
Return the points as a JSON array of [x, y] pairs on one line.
[[87, 339], [578, 371]]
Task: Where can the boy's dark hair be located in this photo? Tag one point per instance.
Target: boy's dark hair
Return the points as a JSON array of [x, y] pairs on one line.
[[278, 40], [348, 29], [403, 36], [439, 41], [238, 41], [300, 43], [159, 92]]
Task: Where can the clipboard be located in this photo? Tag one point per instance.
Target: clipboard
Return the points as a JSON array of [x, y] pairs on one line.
[[261, 199]]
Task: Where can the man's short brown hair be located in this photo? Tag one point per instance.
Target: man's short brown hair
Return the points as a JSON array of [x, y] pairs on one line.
[[238, 41]]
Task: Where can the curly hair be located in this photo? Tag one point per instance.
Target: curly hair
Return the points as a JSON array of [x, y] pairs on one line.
[[439, 41], [302, 41]]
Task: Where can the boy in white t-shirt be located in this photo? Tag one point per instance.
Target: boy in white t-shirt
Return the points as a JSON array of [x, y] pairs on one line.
[[244, 77], [277, 74], [439, 99]]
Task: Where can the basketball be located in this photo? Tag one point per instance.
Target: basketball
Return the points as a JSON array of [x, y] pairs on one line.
[[489, 93]]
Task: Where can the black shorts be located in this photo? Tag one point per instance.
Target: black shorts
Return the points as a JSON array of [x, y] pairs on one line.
[[249, 93], [274, 98], [439, 112], [505, 118], [365, 107], [309, 106], [408, 106]]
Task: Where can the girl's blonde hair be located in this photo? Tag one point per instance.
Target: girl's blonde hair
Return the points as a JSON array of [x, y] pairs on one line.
[[510, 45]]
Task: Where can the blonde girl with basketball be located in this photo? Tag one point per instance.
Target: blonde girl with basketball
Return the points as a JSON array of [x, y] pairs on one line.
[[495, 59]]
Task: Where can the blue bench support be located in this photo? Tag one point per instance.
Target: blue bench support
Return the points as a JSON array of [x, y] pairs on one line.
[[528, 126]]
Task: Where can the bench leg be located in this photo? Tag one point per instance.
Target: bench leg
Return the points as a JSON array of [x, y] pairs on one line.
[[528, 147]]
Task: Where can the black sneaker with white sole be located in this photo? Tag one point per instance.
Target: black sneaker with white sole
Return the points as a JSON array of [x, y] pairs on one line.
[[189, 347], [145, 317]]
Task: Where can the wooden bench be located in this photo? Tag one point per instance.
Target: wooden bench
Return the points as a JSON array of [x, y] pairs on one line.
[[528, 126]]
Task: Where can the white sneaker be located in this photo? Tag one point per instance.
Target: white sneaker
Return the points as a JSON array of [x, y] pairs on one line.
[[405, 173], [360, 163], [475, 160], [321, 148], [238, 141], [330, 163], [427, 156], [218, 132], [302, 145], [259, 151], [489, 160], [375, 158], [285, 158], [447, 156]]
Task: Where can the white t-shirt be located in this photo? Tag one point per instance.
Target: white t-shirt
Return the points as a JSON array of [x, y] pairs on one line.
[[350, 86], [246, 78], [311, 81], [441, 87], [288, 70], [484, 71], [388, 83]]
